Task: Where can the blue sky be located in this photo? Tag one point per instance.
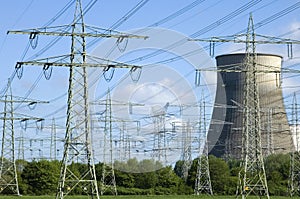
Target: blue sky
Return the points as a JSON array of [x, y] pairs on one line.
[[204, 19], [32, 13]]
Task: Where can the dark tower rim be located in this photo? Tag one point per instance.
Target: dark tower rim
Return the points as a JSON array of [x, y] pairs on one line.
[[259, 54]]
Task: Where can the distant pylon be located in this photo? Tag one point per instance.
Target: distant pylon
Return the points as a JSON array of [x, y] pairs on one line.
[[124, 143], [252, 178], [294, 181], [53, 146], [269, 125], [108, 175], [203, 182], [159, 146], [187, 150], [8, 170]]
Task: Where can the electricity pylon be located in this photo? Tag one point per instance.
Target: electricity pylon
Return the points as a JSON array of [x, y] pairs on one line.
[[108, 175], [8, 170], [270, 139], [187, 150], [203, 182], [252, 178], [294, 181], [125, 145], [53, 147], [77, 147], [158, 115], [124, 138]]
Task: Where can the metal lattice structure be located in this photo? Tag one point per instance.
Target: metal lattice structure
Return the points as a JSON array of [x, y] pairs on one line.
[[159, 135], [203, 182], [8, 168], [108, 181], [294, 181], [186, 150], [253, 176], [78, 135], [126, 144], [270, 137], [53, 146], [77, 147]]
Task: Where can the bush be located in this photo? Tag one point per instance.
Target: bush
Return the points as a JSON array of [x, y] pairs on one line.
[[40, 178]]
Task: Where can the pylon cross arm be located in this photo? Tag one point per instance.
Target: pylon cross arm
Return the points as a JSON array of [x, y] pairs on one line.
[[67, 64], [64, 61], [63, 30]]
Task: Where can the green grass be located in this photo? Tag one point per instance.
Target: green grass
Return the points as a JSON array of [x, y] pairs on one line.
[[143, 197]]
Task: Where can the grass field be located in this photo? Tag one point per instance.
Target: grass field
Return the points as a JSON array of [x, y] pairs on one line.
[[144, 197]]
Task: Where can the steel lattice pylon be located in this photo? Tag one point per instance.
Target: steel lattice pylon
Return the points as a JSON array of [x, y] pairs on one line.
[[77, 147], [294, 181], [53, 147], [203, 182], [252, 177], [108, 174], [187, 150], [8, 170], [159, 144]]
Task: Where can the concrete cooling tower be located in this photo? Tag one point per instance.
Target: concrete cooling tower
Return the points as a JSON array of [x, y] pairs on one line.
[[225, 132]]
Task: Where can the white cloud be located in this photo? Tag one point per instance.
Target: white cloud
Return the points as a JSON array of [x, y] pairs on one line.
[[294, 27], [295, 132]]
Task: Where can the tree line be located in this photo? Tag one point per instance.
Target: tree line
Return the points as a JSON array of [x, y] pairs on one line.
[[150, 178]]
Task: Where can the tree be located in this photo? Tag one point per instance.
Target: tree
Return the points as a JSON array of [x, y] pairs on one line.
[[277, 172], [221, 181], [98, 170], [167, 178], [124, 179], [146, 180], [41, 177], [178, 168], [168, 182]]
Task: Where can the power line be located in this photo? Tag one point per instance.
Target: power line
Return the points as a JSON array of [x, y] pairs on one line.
[[257, 25], [78, 135], [8, 169], [200, 32]]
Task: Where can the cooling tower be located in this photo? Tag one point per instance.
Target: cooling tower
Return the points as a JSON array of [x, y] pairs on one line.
[[225, 131]]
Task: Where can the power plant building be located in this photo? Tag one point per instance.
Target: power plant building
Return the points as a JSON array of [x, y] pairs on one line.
[[225, 131]]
